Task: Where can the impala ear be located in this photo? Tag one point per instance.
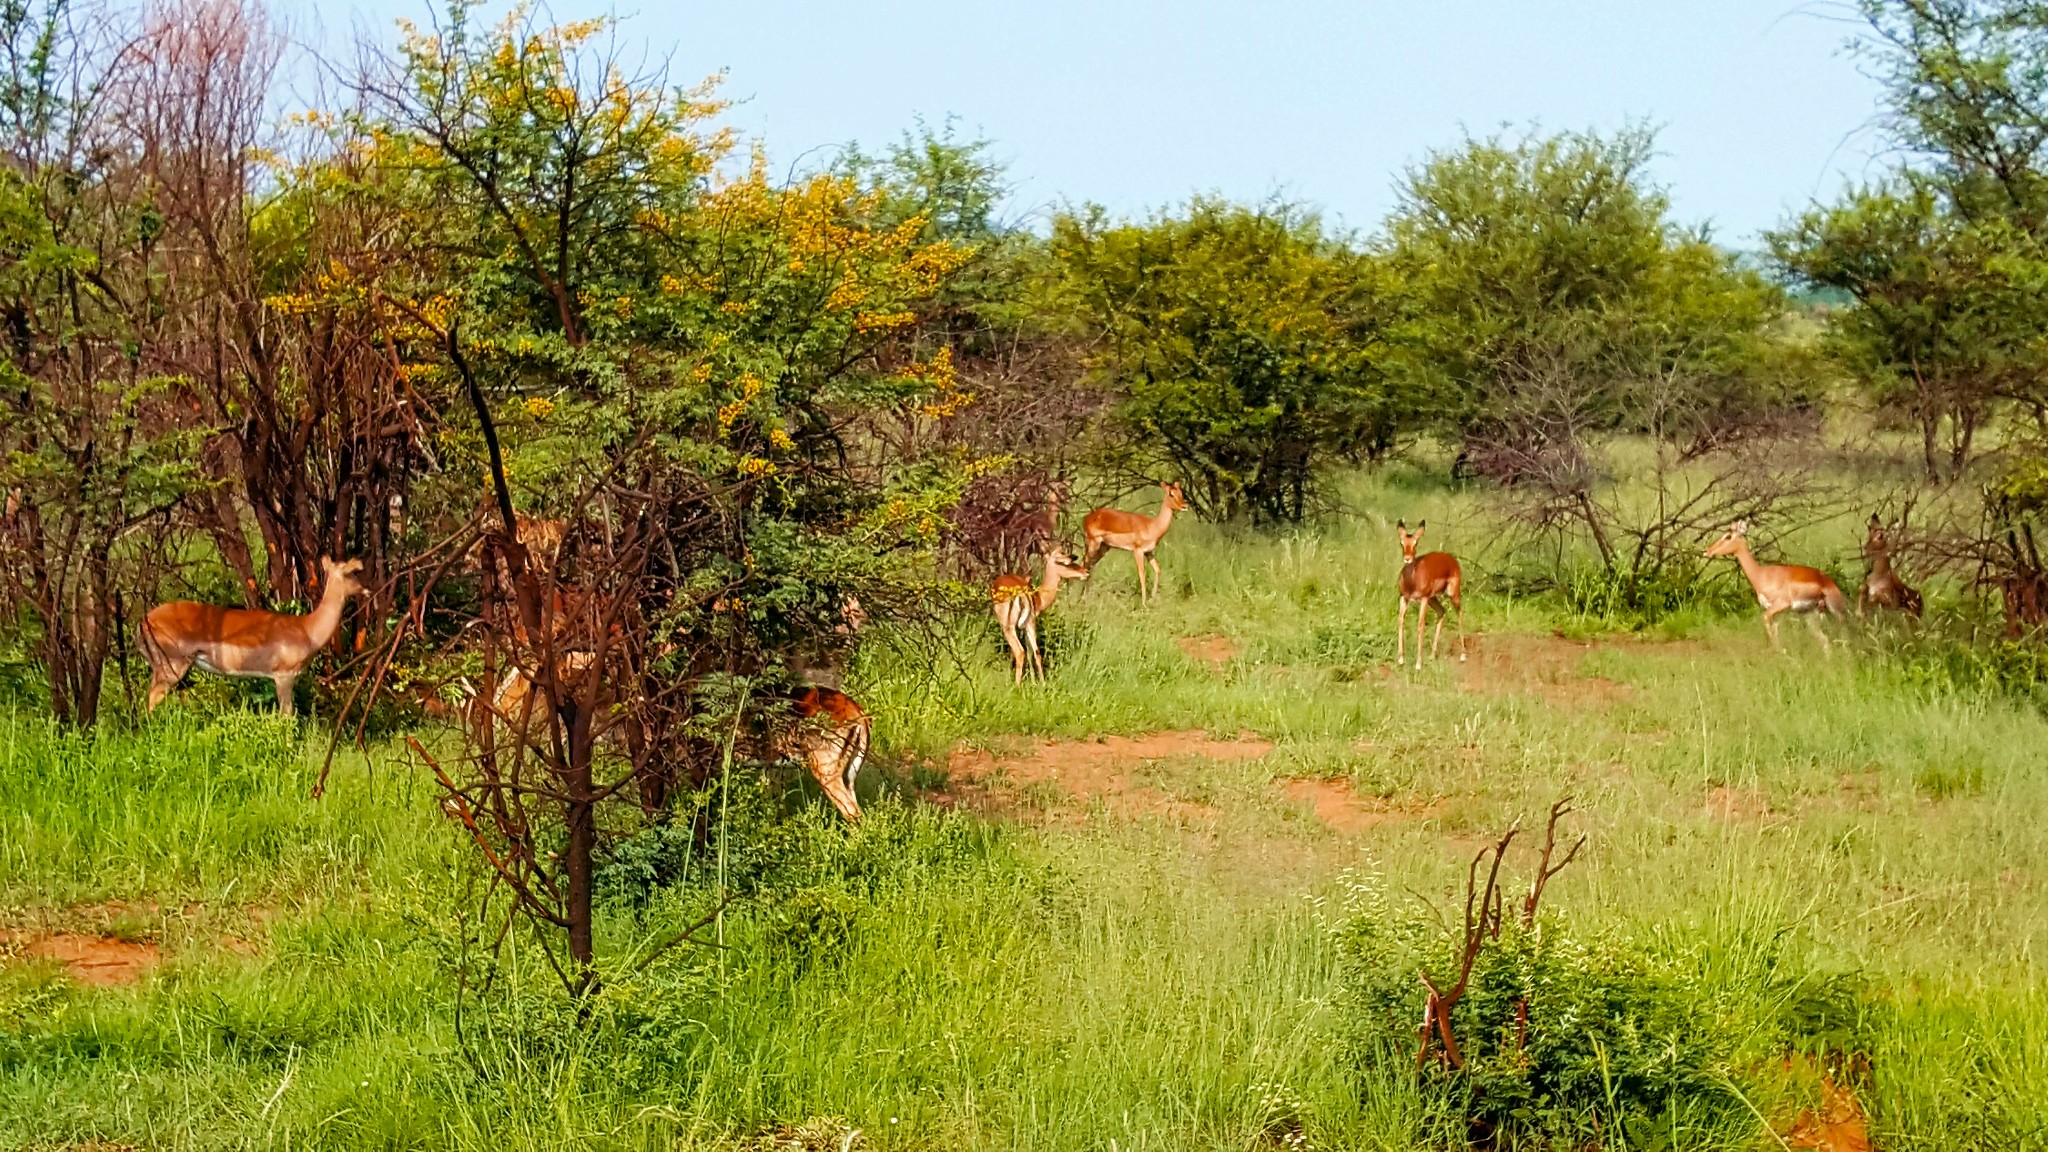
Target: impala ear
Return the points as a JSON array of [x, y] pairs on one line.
[[1740, 527], [1420, 525], [1401, 525]]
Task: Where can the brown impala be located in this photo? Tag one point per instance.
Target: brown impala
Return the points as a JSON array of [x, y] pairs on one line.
[[1425, 580], [1108, 528], [1782, 588], [1883, 588], [1018, 607], [833, 740], [243, 641]]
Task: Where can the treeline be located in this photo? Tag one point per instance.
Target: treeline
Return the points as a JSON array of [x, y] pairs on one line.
[[500, 276]]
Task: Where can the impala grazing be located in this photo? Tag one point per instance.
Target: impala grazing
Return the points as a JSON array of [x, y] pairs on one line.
[[1883, 588], [243, 641], [1425, 580], [832, 738], [1782, 588], [1108, 528], [1018, 606]]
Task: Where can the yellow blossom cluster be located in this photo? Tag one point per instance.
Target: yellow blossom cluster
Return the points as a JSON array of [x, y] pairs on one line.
[[780, 440], [750, 387], [882, 321], [291, 304], [846, 294], [756, 466], [623, 307], [539, 407], [948, 398], [990, 465]]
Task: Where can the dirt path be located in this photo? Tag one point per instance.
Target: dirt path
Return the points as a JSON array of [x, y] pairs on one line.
[[1107, 769], [102, 961]]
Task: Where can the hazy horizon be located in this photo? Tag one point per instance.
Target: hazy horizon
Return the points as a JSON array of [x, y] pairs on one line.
[[1138, 105]]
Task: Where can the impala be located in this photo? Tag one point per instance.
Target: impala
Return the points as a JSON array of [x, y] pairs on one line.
[[1883, 588], [243, 641], [1782, 588], [833, 740], [1426, 580], [1018, 607], [1139, 535]]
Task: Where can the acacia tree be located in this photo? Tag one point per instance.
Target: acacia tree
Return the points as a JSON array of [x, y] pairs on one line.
[[92, 445], [1023, 401], [1944, 316], [1244, 343], [669, 360], [1553, 311]]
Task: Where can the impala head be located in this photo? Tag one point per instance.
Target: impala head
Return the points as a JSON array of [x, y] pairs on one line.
[[1731, 541], [1174, 499], [1878, 540], [341, 576], [1409, 539], [1057, 561]]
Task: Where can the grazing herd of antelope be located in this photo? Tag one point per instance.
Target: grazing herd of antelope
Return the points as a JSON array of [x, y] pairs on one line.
[[835, 729]]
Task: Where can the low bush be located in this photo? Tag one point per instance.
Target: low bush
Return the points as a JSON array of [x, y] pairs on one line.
[[1574, 1041]]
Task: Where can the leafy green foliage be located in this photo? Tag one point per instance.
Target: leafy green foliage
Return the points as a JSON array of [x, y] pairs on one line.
[[1245, 343], [1569, 1040], [1944, 320], [1547, 292]]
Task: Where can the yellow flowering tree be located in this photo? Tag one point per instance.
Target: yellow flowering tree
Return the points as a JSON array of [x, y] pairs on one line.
[[653, 340]]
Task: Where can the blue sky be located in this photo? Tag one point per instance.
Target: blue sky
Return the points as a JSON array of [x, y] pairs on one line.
[[1136, 104]]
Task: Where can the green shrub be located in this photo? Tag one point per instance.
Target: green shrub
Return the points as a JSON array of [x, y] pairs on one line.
[[1571, 1041]]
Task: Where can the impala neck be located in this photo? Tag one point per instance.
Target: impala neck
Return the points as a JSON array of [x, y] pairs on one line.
[[1880, 563], [1048, 588], [1750, 567], [1162, 521], [325, 618]]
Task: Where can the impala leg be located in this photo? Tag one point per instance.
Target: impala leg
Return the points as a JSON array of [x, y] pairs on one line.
[[1016, 649], [1401, 634], [1458, 602], [165, 678], [1138, 558], [1771, 628], [1153, 559], [1437, 641], [1031, 646], [825, 759], [284, 691], [1421, 629]]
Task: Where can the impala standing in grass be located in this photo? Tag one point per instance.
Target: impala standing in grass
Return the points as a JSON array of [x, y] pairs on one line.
[[1782, 588], [832, 738], [1425, 580], [243, 641], [1018, 606], [1108, 528], [1882, 588]]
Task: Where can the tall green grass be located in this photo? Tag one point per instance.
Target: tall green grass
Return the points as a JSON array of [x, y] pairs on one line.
[[938, 980]]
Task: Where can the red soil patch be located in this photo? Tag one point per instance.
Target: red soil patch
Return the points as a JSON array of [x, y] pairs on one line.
[[1738, 803], [1102, 769], [1547, 666], [98, 960], [1339, 806], [1213, 650], [1838, 1126]]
